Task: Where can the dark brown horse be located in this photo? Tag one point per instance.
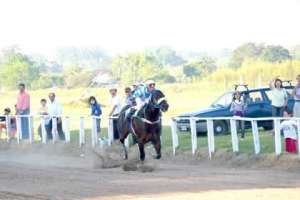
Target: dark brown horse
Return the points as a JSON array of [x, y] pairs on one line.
[[146, 124]]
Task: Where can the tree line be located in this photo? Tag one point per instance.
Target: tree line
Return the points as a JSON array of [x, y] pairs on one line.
[[76, 67]]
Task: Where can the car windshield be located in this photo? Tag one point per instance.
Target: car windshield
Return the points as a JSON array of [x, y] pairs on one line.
[[224, 100]]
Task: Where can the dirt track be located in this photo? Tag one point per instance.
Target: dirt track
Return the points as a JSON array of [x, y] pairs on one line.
[[61, 173]]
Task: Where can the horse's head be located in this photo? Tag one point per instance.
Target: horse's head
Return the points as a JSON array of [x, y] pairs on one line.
[[159, 101]]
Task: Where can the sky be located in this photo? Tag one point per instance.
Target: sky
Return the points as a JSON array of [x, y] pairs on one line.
[[42, 26]]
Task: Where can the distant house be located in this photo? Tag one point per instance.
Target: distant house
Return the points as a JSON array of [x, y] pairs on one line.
[[103, 78]]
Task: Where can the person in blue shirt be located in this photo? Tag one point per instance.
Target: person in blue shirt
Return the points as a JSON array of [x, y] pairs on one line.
[[96, 112]]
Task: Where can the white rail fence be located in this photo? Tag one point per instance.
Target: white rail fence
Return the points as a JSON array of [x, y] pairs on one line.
[[175, 139], [45, 120], [233, 131]]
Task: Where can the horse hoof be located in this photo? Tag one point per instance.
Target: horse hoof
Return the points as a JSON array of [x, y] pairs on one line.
[[142, 159], [125, 157], [157, 157]]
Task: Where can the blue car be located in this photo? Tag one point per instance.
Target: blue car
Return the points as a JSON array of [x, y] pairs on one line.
[[258, 105]]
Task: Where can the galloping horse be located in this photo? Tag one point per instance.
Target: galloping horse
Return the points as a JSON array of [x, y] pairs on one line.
[[146, 124]]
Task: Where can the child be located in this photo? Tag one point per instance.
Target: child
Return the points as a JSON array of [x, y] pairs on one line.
[[13, 124], [96, 111], [289, 129], [238, 108], [43, 111]]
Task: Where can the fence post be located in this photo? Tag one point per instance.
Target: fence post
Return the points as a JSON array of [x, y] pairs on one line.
[[277, 137], [81, 132], [54, 129], [30, 132], [298, 128], [110, 131], [19, 128], [94, 131], [7, 121], [210, 137], [193, 134], [43, 129], [67, 129], [255, 136], [174, 135], [234, 136]]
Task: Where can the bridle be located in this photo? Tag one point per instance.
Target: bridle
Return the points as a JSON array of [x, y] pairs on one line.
[[156, 104]]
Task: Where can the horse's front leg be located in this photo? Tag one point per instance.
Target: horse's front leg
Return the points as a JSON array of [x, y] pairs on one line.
[[122, 140], [157, 146], [142, 151]]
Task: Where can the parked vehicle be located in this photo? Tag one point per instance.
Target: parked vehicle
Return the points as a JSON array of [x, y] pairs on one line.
[[258, 105]]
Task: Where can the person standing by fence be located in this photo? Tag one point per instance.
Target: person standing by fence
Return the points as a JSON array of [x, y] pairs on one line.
[[289, 129], [238, 108], [296, 94], [96, 111], [43, 112], [279, 97], [23, 109], [55, 112], [115, 110]]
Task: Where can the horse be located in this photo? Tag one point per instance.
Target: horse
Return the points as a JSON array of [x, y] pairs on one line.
[[145, 124]]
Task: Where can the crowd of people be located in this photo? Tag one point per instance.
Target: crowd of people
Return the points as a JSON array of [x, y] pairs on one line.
[[279, 107], [51, 110]]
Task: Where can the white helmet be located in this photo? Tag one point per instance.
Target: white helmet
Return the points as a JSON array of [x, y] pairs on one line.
[[149, 82]]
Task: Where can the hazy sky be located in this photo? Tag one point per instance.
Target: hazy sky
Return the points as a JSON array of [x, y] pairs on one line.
[[128, 25]]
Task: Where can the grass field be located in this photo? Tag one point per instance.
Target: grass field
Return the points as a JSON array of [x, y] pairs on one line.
[[182, 98]]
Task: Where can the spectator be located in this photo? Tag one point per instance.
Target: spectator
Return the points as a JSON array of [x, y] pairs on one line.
[[55, 112], [130, 100], [43, 111], [115, 109], [279, 97], [289, 129], [238, 108], [12, 123], [96, 111], [296, 94], [23, 108]]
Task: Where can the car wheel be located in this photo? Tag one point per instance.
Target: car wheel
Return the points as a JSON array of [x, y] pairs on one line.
[[220, 127], [268, 128]]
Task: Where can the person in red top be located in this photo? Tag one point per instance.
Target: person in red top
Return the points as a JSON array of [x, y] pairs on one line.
[[23, 108]]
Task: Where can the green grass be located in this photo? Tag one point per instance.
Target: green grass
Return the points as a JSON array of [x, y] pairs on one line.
[[222, 142]]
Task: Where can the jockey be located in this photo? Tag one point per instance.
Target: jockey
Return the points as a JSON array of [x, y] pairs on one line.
[[142, 94]]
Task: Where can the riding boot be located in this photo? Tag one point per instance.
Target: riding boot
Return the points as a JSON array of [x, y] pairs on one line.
[[129, 116]]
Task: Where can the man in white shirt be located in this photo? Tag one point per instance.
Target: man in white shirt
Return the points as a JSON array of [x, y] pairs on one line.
[[55, 111], [115, 104]]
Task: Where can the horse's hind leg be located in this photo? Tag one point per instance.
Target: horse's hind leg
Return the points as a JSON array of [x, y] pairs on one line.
[[142, 151], [122, 140]]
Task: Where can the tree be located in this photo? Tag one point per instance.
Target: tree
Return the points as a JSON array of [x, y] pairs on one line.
[[275, 54], [78, 77], [245, 51], [191, 71], [165, 56], [134, 67], [91, 57], [16, 68], [295, 52]]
